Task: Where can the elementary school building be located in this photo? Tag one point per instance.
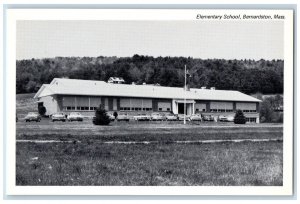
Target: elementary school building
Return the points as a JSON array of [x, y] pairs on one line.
[[69, 95]]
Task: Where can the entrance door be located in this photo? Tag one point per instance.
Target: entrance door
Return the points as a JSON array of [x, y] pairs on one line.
[[180, 108]]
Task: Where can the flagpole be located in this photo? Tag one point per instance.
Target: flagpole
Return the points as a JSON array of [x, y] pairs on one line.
[[184, 121]]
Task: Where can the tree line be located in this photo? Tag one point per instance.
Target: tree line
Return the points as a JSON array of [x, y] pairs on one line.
[[248, 76]]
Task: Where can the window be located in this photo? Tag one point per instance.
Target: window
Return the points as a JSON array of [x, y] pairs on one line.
[[160, 109], [203, 110], [251, 120], [168, 109], [197, 109]]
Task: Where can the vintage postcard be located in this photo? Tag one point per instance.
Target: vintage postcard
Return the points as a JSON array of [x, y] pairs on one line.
[[149, 102]]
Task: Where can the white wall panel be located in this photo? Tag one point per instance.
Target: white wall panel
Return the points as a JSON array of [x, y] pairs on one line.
[[246, 106], [221, 105], [164, 106], [200, 106], [95, 101], [147, 103], [125, 102], [68, 101], [82, 101]]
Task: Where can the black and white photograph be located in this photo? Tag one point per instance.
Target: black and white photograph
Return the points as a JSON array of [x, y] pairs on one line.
[[161, 102]]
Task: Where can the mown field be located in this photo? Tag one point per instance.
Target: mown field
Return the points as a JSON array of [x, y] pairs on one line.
[[81, 155], [75, 153]]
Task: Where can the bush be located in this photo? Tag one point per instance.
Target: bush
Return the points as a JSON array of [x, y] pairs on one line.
[[239, 117], [42, 110], [101, 117]]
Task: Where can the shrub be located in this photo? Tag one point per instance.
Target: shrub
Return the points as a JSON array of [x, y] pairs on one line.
[[101, 117], [239, 117], [42, 110]]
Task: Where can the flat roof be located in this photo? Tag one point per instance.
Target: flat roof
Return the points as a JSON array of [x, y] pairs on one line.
[[62, 86]]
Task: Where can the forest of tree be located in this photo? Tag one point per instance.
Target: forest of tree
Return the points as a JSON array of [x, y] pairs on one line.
[[248, 76]]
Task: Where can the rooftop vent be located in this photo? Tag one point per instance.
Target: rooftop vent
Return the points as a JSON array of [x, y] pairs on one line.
[[203, 87], [144, 83], [212, 88]]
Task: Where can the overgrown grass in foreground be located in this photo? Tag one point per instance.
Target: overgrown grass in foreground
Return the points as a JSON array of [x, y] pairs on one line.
[[89, 163]]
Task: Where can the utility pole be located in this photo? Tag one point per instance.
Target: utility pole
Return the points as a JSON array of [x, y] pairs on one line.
[[184, 121]]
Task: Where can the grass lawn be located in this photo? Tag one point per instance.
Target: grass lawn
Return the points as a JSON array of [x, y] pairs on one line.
[[90, 162]]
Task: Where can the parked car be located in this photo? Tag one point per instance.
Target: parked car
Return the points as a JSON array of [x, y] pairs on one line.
[[181, 117], [208, 118], [75, 116], [171, 117], [111, 116], [157, 117], [223, 118], [123, 117], [32, 116], [142, 117], [58, 117], [195, 117]]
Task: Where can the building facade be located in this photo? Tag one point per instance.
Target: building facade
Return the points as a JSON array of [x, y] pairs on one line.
[[69, 95]]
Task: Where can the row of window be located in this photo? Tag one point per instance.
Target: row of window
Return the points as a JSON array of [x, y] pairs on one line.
[[197, 110], [160, 109], [251, 120], [221, 110], [249, 111], [135, 109], [86, 108], [229, 110], [79, 108]]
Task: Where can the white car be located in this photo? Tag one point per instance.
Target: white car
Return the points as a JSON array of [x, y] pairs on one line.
[[171, 117], [32, 117], [142, 117], [195, 117], [223, 118], [157, 117], [123, 117], [181, 117], [74, 116], [111, 116], [58, 117]]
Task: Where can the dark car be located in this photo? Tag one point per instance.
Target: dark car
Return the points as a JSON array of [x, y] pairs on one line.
[[32, 116]]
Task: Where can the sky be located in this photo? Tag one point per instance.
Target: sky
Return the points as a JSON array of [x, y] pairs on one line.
[[198, 39]]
